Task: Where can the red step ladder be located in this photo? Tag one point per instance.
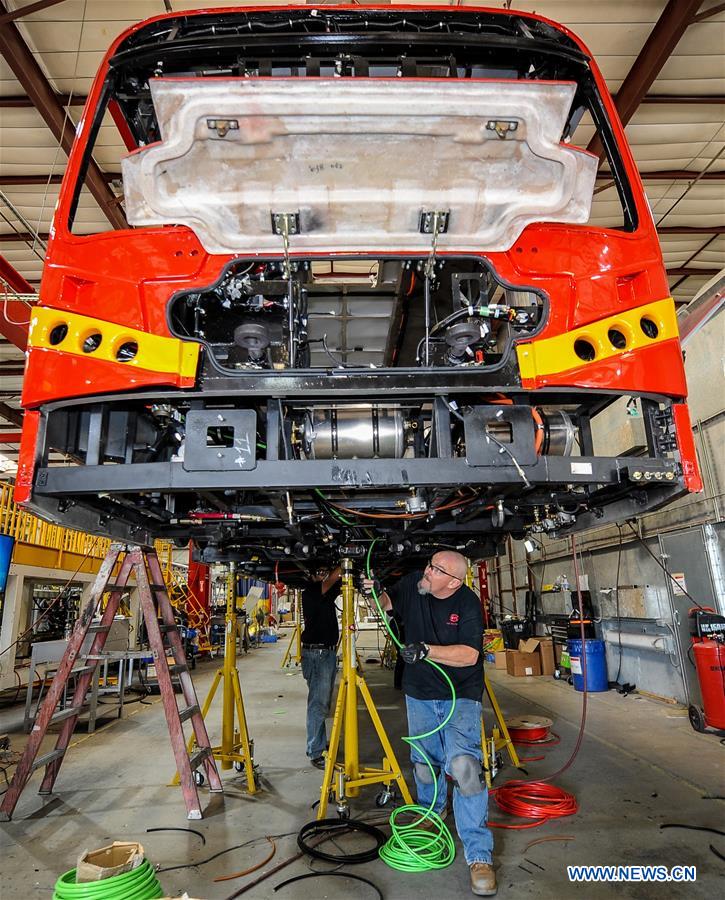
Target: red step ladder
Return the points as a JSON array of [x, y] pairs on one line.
[[162, 636]]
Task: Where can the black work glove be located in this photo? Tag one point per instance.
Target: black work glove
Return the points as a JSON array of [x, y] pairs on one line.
[[372, 584], [413, 653]]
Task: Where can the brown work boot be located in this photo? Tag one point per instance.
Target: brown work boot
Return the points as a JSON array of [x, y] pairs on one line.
[[430, 825], [483, 879]]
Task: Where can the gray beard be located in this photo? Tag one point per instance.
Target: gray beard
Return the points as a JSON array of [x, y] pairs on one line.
[[422, 589]]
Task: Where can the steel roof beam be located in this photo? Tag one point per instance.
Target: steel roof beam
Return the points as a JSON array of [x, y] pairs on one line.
[[22, 237], [663, 39], [16, 333], [25, 68], [664, 175], [688, 271], [23, 102], [10, 414], [684, 99], [11, 276], [21, 180], [27, 10], [691, 229]]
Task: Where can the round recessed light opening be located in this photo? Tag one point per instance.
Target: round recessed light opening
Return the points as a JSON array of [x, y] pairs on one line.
[[584, 349], [649, 327], [127, 351], [92, 342], [58, 334], [617, 339]]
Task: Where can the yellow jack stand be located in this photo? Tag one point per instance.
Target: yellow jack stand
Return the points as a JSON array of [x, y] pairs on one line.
[[343, 780], [296, 636], [236, 749], [500, 737]]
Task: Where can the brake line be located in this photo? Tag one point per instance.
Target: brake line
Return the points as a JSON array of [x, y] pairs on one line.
[[412, 848]]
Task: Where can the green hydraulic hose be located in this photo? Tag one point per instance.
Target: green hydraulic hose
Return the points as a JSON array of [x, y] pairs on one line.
[[411, 848], [138, 884]]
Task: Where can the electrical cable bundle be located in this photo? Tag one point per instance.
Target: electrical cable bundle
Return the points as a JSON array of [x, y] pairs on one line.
[[423, 843], [331, 828], [138, 884]]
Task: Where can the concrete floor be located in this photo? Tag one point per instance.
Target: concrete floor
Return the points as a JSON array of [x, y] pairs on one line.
[[640, 765]]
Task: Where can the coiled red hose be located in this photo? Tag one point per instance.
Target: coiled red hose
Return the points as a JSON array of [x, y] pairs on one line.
[[539, 800], [533, 800], [533, 735]]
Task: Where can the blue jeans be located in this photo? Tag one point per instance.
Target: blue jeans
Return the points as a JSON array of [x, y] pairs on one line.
[[318, 670], [455, 749]]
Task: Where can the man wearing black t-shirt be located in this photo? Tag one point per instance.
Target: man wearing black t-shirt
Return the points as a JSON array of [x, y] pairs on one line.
[[443, 623], [319, 657]]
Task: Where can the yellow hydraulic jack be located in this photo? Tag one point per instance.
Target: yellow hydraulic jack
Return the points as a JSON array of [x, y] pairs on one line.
[[344, 779], [499, 739], [296, 636], [236, 748]]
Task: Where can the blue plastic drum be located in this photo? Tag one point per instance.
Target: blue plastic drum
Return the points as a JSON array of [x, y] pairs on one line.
[[596, 660]]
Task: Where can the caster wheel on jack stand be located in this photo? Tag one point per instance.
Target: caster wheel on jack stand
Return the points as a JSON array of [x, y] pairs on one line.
[[384, 797]]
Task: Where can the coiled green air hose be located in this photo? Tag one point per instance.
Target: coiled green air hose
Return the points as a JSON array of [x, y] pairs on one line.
[[412, 848], [138, 884]]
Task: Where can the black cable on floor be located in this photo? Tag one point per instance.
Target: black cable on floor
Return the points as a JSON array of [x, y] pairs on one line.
[[184, 830], [331, 828], [332, 875], [693, 828], [201, 862]]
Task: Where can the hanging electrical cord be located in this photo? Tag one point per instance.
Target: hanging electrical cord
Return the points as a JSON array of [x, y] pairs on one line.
[[412, 848], [619, 617], [664, 568]]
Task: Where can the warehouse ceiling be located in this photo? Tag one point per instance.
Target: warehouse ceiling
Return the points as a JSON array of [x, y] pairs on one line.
[[662, 61]]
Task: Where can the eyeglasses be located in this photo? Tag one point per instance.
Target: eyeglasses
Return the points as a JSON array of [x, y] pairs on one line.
[[435, 568]]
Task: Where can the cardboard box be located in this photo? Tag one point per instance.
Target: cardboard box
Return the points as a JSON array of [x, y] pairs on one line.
[[119, 857], [500, 659], [520, 663], [545, 649], [546, 652]]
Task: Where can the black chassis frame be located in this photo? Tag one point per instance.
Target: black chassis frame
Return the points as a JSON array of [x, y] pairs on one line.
[[96, 496]]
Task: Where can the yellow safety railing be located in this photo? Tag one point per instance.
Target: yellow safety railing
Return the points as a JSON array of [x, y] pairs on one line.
[[30, 530], [32, 533]]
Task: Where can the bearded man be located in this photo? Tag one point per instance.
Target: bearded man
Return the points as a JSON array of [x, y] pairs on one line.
[[443, 623]]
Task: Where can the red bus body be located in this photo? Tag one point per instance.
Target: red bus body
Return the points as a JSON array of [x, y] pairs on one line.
[[120, 372]]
